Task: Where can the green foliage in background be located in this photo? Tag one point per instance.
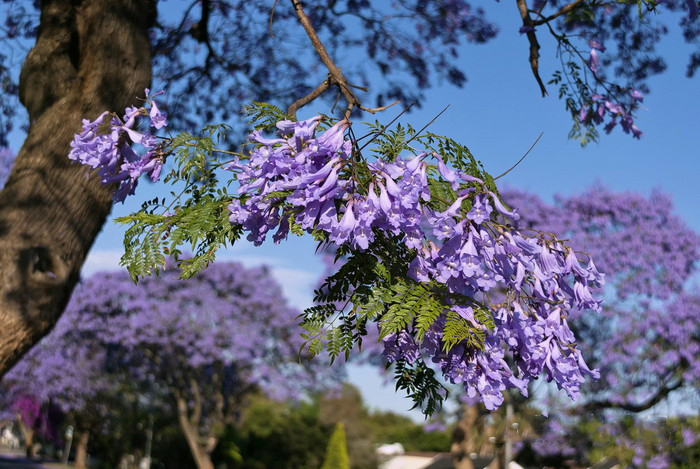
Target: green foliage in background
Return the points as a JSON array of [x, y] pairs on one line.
[[274, 435]]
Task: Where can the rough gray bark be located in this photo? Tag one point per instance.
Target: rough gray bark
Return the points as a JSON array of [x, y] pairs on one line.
[[90, 56]]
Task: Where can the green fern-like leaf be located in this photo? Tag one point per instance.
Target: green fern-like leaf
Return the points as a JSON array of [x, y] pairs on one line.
[[458, 330], [428, 312], [410, 301], [263, 115]]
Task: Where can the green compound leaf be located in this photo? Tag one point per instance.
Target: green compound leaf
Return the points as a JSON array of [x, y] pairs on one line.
[[419, 382]]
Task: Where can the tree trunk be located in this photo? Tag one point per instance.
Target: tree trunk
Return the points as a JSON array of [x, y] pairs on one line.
[[27, 435], [199, 454], [464, 437], [29, 443], [90, 56], [81, 450]]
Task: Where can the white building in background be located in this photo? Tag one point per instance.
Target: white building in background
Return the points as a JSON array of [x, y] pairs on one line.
[[8, 439], [394, 457]]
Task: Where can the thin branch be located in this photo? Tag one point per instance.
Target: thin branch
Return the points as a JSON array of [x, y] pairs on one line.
[[571, 50], [534, 45], [374, 136], [378, 109], [179, 31], [405, 110], [183, 22], [538, 12], [200, 32], [521, 159], [335, 102], [301, 102], [272, 16], [564, 10], [357, 87], [427, 125]]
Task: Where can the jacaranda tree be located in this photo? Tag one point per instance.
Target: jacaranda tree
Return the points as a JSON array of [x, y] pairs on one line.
[[59, 375], [198, 347], [92, 59], [645, 343]]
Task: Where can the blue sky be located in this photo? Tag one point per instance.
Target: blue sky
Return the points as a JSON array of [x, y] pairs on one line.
[[498, 114]]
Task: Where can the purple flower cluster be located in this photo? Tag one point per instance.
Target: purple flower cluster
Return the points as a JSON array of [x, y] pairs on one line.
[[595, 109], [649, 249], [309, 181], [531, 322], [106, 143], [311, 173], [303, 168], [600, 106]]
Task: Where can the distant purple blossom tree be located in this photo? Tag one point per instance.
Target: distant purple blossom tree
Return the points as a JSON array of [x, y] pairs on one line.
[[646, 342], [63, 374], [59, 373], [201, 346]]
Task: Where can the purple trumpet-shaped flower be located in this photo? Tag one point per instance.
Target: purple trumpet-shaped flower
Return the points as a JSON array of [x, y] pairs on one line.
[[512, 214], [333, 139], [481, 210], [158, 118], [384, 201], [450, 175], [594, 59], [342, 230]]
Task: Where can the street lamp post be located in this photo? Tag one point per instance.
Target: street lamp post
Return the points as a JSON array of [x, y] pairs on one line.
[[509, 440], [69, 442]]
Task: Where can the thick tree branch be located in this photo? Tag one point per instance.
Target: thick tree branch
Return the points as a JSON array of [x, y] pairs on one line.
[[660, 395], [323, 54], [190, 432], [562, 11], [201, 30], [89, 57], [335, 72], [534, 58]]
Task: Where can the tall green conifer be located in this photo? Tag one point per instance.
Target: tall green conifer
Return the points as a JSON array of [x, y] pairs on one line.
[[337, 451]]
